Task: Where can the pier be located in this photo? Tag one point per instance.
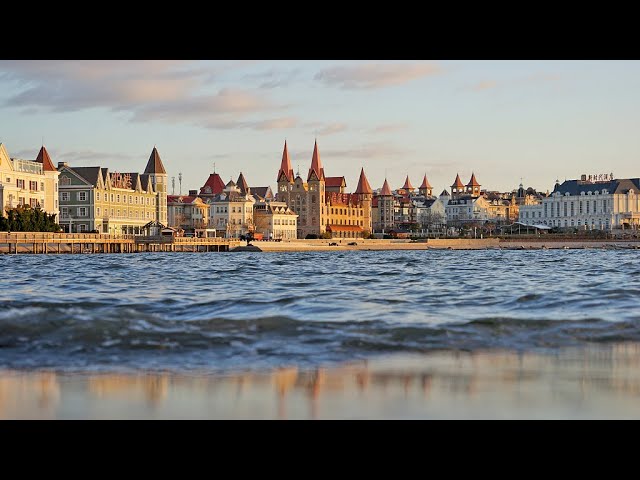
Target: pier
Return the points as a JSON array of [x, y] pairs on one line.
[[75, 243]]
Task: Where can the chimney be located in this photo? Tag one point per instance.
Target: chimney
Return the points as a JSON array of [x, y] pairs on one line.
[[193, 193], [62, 164]]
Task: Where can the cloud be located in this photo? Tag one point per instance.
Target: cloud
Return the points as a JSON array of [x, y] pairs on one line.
[[484, 85], [268, 124], [332, 128], [389, 127], [168, 91], [372, 151], [275, 77], [375, 75]]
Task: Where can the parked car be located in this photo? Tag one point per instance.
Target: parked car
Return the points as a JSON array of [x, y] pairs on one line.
[[353, 243], [333, 244]]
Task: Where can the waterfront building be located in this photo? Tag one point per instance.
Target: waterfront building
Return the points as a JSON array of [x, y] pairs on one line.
[[230, 210], [593, 202], [95, 199], [275, 220], [321, 203], [187, 212], [28, 182]]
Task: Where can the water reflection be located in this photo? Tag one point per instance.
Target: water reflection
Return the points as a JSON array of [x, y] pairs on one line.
[[592, 382]]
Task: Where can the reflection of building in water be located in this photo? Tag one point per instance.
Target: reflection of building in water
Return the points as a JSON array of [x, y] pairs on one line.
[[29, 395], [153, 387], [283, 379]]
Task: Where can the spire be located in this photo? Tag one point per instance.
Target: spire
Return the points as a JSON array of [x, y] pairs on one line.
[[45, 160], [473, 182], [363, 184], [285, 166], [407, 184], [316, 164], [154, 165], [385, 189], [242, 185], [425, 183], [457, 182]]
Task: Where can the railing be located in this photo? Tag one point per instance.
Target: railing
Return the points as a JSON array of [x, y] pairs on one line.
[[27, 237]]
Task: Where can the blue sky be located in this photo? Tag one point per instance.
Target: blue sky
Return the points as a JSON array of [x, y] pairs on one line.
[[539, 120]]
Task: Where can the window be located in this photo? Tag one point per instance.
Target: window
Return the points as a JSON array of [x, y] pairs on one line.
[[136, 200], [21, 201], [112, 200], [20, 183], [98, 211], [64, 196], [82, 196], [98, 196], [65, 181], [82, 211], [64, 212], [8, 180], [82, 227], [112, 212], [33, 202], [147, 200], [118, 213], [118, 198], [130, 199]]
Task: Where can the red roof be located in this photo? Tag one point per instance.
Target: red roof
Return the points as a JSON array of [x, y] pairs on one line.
[[363, 185], [473, 182], [425, 183], [344, 228], [215, 183], [45, 160], [374, 202], [385, 188], [180, 199], [335, 182], [407, 184], [457, 182], [316, 164], [285, 165]]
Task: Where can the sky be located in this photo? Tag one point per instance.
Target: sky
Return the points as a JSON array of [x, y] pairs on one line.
[[504, 120]]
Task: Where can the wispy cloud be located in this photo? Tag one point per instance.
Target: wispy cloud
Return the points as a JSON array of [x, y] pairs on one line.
[[375, 75], [268, 124], [275, 77], [484, 85], [389, 127], [168, 91]]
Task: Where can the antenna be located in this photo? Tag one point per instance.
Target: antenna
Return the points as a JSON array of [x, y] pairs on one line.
[[214, 167], [173, 185], [180, 180]]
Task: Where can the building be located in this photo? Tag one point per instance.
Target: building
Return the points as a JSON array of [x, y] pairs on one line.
[[274, 220], [95, 199], [594, 202], [28, 182], [322, 206], [230, 210], [188, 212]]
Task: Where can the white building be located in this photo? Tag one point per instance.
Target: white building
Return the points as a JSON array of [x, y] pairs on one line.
[[28, 182], [274, 220], [588, 204], [231, 211]]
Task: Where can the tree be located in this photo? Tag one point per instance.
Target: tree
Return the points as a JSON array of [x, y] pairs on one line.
[[24, 218]]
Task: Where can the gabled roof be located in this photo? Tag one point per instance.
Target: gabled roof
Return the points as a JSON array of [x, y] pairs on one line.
[[243, 185], [575, 187], [262, 192], [425, 183], [215, 183], [44, 158], [88, 174], [335, 182], [473, 182], [457, 182], [363, 184], [146, 183], [154, 165], [444, 193], [181, 199], [231, 184], [385, 189], [316, 164], [407, 184], [285, 165]]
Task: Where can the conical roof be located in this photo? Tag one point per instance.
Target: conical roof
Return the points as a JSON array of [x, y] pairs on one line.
[[154, 165], [444, 193], [425, 183], [316, 164], [363, 184], [285, 165], [473, 182], [45, 160], [407, 184], [215, 183], [242, 184], [457, 182], [385, 189]]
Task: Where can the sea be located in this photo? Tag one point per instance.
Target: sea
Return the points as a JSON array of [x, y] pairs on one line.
[[227, 314]]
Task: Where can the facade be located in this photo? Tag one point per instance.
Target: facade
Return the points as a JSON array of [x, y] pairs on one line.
[[187, 212], [95, 199], [321, 203], [274, 220], [28, 182], [588, 204], [230, 210]]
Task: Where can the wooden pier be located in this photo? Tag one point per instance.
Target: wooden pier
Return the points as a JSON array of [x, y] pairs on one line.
[[74, 243]]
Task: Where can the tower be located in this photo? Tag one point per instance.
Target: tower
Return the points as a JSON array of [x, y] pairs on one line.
[[285, 177], [457, 189], [473, 187], [365, 195], [51, 174], [426, 189], [407, 186], [385, 207], [316, 211], [159, 180]]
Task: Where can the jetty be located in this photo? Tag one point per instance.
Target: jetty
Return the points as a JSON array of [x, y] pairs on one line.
[[75, 243]]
